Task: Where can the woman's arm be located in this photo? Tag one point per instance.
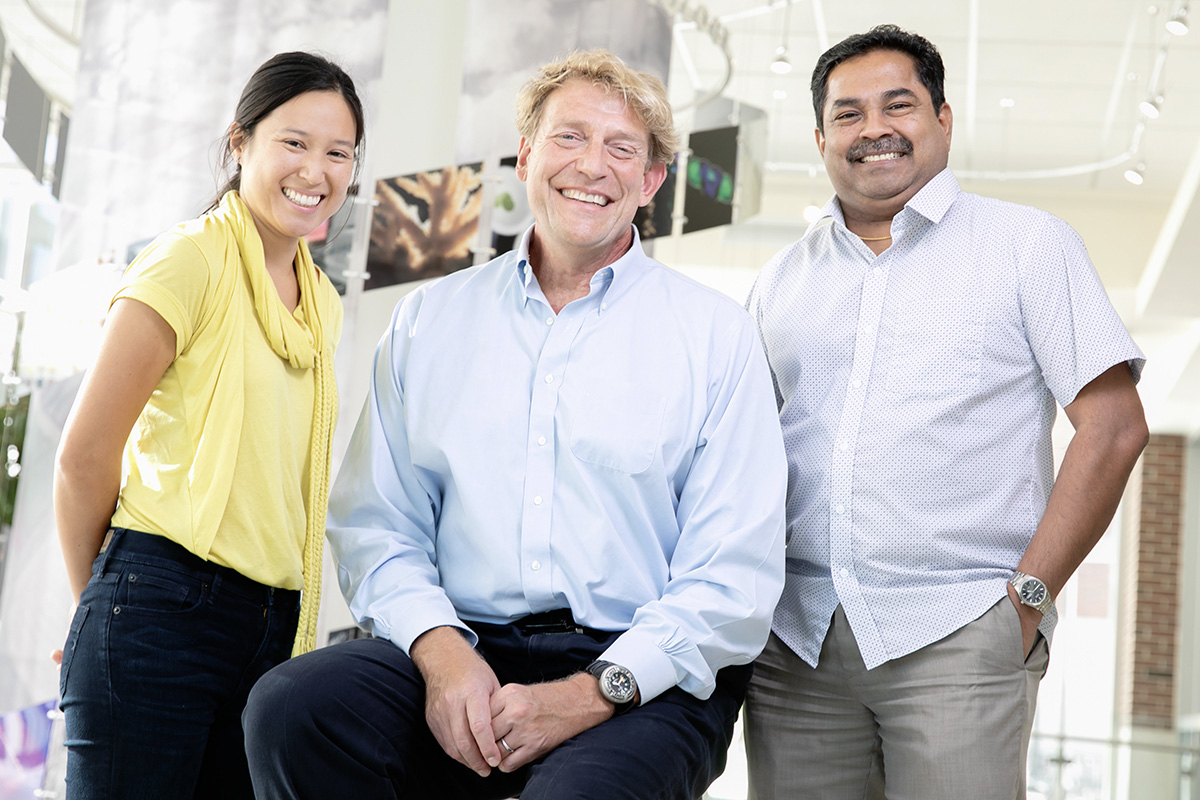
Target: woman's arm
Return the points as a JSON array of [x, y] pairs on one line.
[[136, 348]]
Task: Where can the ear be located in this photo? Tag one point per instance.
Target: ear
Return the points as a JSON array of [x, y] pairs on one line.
[[523, 149], [651, 180], [237, 141], [946, 120], [820, 141]]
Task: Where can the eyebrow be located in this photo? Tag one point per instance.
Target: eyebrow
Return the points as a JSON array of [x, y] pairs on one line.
[[304, 133], [888, 96]]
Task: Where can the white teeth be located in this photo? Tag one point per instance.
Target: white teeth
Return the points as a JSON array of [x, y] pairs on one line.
[[881, 157], [308, 200], [575, 194]]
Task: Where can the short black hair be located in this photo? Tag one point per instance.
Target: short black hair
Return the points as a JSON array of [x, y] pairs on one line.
[[928, 60]]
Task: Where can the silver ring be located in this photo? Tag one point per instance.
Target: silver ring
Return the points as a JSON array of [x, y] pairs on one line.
[[504, 744]]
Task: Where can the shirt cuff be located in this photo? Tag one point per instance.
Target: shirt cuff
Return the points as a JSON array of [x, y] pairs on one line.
[[651, 667], [404, 634]]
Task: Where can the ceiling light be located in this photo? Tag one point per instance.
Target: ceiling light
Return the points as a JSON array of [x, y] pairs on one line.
[[812, 213], [1178, 23], [1007, 102], [779, 94], [1136, 175], [1151, 107], [781, 65]]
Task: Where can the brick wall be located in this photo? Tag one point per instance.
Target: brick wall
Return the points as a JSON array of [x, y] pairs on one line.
[[1149, 592]]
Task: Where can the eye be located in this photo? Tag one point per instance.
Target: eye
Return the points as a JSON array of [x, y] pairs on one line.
[[294, 143], [899, 106], [569, 138], [623, 151], [340, 154]]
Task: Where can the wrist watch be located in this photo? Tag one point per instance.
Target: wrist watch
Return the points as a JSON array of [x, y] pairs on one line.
[[617, 684], [1032, 592]]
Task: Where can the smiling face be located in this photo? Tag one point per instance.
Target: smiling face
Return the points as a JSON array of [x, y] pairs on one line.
[[296, 168], [586, 174], [883, 139]]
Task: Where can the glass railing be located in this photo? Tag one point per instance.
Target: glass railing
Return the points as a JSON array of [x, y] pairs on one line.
[[1083, 768]]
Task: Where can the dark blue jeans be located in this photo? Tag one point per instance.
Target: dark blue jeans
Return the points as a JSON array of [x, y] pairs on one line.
[[156, 669], [349, 721]]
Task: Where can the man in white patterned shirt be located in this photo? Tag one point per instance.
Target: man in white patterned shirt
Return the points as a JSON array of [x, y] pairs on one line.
[[919, 338]]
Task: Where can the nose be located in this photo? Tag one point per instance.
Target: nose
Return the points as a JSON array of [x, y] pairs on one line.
[[592, 160], [311, 167], [876, 124]]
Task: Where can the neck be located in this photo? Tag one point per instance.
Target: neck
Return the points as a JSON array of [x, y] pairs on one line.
[[565, 274]]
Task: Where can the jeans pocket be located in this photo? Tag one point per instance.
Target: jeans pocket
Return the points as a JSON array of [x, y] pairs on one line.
[[155, 590], [68, 652]]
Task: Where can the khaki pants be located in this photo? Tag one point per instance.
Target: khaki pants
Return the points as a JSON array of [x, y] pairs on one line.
[[948, 722]]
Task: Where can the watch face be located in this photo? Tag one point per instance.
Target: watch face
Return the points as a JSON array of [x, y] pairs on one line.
[[1032, 592], [617, 684]]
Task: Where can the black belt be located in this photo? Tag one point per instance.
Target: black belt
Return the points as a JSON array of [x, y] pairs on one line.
[[557, 621]]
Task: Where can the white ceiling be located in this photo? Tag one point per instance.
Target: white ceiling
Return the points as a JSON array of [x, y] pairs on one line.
[[1074, 70]]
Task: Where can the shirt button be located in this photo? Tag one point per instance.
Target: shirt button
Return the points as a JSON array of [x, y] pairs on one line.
[[840, 509], [604, 306], [549, 320], [856, 383], [535, 566], [878, 271], [537, 501], [845, 573], [549, 379], [542, 440]]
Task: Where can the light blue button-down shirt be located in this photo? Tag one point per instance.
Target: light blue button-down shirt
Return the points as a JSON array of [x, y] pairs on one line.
[[622, 458], [917, 393]]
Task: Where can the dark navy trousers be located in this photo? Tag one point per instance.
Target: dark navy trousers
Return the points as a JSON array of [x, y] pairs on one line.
[[349, 721], [160, 658]]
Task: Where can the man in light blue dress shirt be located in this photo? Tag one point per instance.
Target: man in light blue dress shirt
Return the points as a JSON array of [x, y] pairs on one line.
[[920, 339], [561, 513]]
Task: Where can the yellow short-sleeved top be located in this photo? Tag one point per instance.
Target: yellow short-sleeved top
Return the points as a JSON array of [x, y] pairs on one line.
[[220, 459]]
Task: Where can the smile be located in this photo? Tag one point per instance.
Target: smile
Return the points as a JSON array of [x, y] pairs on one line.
[[306, 200], [575, 194], [880, 157]]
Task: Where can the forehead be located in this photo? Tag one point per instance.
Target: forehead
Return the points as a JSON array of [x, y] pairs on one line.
[[873, 73], [582, 102]]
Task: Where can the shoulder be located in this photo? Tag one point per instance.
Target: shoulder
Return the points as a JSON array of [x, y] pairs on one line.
[[689, 296]]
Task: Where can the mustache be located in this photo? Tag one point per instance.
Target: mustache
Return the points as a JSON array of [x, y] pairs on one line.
[[889, 145]]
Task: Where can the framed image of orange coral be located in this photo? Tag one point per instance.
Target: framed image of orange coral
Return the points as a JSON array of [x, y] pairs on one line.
[[424, 224]]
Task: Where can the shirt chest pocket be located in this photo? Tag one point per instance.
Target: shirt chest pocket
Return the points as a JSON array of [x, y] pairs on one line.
[[616, 427], [935, 350]]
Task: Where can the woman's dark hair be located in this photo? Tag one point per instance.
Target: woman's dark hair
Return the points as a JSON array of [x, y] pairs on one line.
[[277, 81], [928, 61]]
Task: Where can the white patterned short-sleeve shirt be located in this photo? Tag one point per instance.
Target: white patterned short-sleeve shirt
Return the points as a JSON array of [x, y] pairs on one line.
[[917, 390]]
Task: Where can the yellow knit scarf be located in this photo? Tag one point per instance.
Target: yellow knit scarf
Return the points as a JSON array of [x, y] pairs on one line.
[[304, 347]]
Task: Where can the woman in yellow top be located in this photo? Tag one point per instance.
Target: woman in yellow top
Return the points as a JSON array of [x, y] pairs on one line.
[[193, 474]]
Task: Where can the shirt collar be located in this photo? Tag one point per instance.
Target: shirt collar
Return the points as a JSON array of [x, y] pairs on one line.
[[609, 282], [932, 201]]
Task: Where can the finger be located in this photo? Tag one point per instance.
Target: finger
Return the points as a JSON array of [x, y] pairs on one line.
[[479, 719], [56, 657]]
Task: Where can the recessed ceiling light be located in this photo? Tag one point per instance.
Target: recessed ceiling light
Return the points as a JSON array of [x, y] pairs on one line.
[[1151, 107], [812, 213], [1136, 175], [1007, 102]]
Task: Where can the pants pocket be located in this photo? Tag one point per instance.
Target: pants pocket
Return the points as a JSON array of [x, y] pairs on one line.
[[68, 653]]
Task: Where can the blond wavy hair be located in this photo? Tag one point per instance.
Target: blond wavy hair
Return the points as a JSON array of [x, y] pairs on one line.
[[644, 93]]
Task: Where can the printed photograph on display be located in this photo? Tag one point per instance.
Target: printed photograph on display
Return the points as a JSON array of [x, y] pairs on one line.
[[711, 176], [424, 224], [654, 219], [331, 244], [510, 212]]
